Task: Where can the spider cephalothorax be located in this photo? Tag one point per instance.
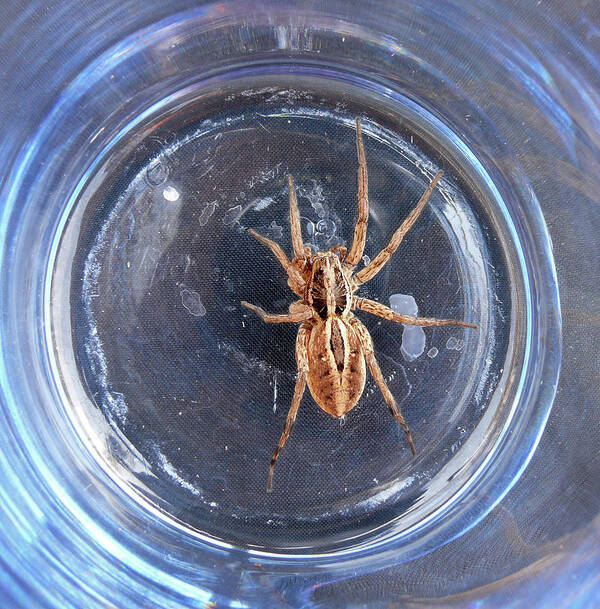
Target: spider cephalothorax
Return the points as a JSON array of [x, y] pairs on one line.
[[333, 345]]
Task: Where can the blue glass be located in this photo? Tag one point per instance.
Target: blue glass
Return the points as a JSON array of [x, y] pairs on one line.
[[141, 403]]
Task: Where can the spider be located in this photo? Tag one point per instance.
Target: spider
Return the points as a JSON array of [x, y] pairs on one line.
[[333, 346]]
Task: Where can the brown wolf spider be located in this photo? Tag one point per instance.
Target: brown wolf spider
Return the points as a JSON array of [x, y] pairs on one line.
[[332, 344]]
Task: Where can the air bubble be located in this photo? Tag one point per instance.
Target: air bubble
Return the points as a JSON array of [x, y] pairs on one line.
[[157, 173], [326, 227], [191, 301], [451, 343]]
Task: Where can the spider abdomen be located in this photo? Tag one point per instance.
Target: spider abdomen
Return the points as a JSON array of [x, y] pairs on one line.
[[336, 366]]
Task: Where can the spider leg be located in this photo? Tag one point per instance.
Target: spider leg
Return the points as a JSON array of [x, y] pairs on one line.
[[376, 308], [367, 347], [295, 315], [296, 280], [297, 306], [302, 361], [385, 254], [339, 249], [360, 228], [295, 221]]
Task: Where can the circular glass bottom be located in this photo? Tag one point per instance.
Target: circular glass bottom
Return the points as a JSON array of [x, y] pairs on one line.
[[195, 389]]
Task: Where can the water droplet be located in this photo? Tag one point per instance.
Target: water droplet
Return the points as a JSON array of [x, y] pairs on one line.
[[413, 342], [413, 337], [404, 304]]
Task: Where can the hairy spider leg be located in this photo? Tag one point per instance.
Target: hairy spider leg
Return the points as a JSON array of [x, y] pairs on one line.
[[297, 243], [376, 308], [297, 313], [296, 282], [340, 250], [302, 361], [367, 346], [360, 228], [385, 254]]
